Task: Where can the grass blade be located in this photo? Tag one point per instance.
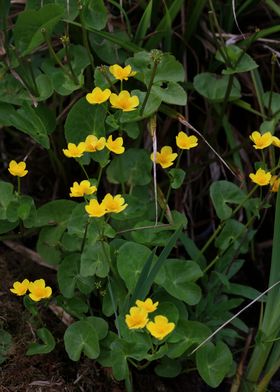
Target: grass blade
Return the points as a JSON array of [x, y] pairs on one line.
[[144, 24]]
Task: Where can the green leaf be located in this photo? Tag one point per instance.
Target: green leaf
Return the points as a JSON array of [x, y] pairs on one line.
[[55, 212], [6, 110], [213, 363], [232, 233], [95, 14], [100, 325], [222, 193], [168, 368], [144, 24], [180, 276], [95, 260], [153, 236], [28, 28], [240, 61], [186, 334], [5, 344], [6, 197], [26, 120], [132, 167], [71, 9], [81, 337], [48, 343], [68, 274], [130, 262], [214, 86], [84, 119], [177, 177], [173, 94], [48, 244], [169, 70]]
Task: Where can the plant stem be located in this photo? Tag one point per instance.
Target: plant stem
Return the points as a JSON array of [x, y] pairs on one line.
[[85, 236], [83, 169], [156, 57], [85, 41]]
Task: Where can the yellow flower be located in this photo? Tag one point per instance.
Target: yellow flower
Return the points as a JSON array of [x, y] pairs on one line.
[[137, 318], [276, 141], [20, 288], [98, 96], [275, 183], [148, 305], [116, 145], [261, 141], [39, 290], [121, 73], [74, 151], [82, 189], [94, 144], [124, 101], [186, 142], [261, 177], [94, 209], [160, 327], [113, 203], [17, 169], [165, 157]]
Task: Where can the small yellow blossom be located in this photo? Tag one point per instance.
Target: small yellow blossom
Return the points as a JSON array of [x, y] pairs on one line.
[[20, 288], [82, 189], [94, 144], [160, 327], [137, 318], [261, 177], [148, 305], [39, 290], [276, 141], [165, 157], [113, 203], [186, 142], [124, 101], [17, 169], [94, 209], [116, 145], [261, 141], [275, 183], [98, 96], [74, 151], [121, 73]]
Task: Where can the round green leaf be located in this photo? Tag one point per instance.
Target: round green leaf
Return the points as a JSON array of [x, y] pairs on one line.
[[214, 86], [48, 343], [81, 337]]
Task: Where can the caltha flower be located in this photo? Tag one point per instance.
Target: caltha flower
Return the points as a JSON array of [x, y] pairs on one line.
[[261, 141], [261, 177], [121, 73], [93, 144], [98, 96], [116, 145], [165, 158], [275, 183], [186, 142], [17, 169], [137, 318], [124, 101], [39, 290], [74, 151], [160, 327], [276, 141], [94, 209], [147, 305], [20, 288], [114, 204], [82, 189]]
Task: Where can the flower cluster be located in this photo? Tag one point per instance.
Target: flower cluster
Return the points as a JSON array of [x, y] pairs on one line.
[[123, 101], [114, 204], [93, 144], [166, 157], [17, 169], [138, 319], [262, 177], [37, 289]]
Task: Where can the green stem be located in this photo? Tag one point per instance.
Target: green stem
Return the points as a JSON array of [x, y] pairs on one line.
[[83, 169], [85, 236], [55, 57], [74, 77], [99, 176], [18, 185], [273, 61], [154, 70], [85, 41]]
